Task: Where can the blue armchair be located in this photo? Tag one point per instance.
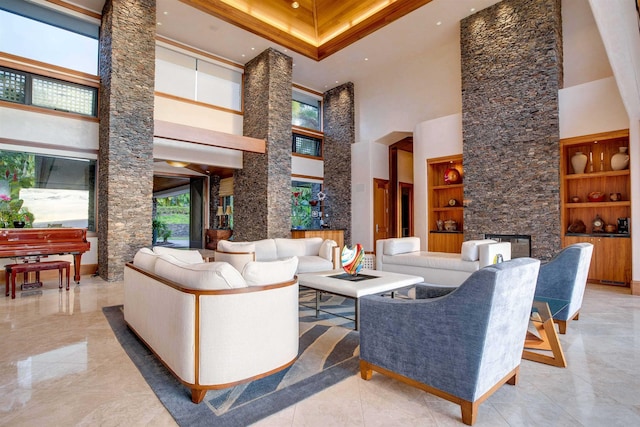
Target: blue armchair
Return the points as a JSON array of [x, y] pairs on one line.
[[565, 277], [461, 346]]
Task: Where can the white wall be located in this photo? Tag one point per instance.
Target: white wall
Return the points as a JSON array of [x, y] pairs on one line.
[[195, 115], [433, 138]]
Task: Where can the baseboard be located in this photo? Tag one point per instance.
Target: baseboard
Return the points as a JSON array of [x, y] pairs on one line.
[[635, 288]]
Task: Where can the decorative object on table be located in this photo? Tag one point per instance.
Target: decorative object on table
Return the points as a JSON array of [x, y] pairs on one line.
[[575, 199], [620, 160], [296, 194], [451, 176], [453, 202], [597, 224], [18, 224], [352, 258], [590, 161], [313, 202], [623, 225], [322, 196], [450, 225], [577, 226], [595, 196], [314, 214], [615, 197], [578, 162], [440, 224], [610, 228]]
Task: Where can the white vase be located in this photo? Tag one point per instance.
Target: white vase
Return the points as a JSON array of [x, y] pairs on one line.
[[579, 162], [620, 160]]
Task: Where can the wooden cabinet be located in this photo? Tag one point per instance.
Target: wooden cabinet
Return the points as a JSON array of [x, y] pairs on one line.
[[325, 233], [611, 260], [445, 203]]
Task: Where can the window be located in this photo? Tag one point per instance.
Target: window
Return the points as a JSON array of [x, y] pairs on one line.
[[47, 191], [45, 35], [307, 145], [32, 89], [188, 77], [305, 110], [306, 208]]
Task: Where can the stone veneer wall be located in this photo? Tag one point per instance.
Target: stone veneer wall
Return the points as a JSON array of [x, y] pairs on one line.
[[125, 176], [339, 134], [511, 74], [214, 194], [262, 189]]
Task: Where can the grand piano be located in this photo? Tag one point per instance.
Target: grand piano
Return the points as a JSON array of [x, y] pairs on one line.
[[33, 242]]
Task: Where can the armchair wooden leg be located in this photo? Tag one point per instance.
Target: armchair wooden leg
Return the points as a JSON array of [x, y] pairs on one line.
[[365, 370], [197, 395], [514, 379], [562, 326], [469, 412]]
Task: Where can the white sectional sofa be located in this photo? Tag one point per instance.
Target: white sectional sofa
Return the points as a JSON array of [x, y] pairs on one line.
[[314, 253], [212, 326], [403, 255]]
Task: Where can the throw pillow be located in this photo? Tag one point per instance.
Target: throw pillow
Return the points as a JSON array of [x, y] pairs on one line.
[[204, 276], [145, 258], [259, 273], [185, 255], [326, 249], [470, 251]]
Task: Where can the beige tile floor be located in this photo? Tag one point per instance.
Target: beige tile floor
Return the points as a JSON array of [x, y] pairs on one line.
[[60, 364]]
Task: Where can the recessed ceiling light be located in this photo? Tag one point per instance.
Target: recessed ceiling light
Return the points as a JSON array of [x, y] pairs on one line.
[[253, 48], [336, 81], [243, 55], [473, 9], [165, 13], [159, 23], [439, 23], [366, 59], [295, 5]]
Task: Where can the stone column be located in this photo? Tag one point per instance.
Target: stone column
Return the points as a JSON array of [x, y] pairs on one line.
[[125, 177], [339, 134], [262, 189], [511, 74], [214, 195]]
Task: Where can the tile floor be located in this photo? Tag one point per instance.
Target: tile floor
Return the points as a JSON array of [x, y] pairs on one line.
[[60, 364]]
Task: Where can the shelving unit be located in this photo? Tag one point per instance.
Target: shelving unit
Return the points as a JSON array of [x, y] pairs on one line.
[[611, 261], [439, 194]]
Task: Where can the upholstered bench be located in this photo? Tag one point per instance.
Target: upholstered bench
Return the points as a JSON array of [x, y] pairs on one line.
[[28, 267]]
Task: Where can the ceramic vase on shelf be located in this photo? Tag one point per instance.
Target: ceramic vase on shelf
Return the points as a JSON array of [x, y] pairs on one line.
[[620, 160], [579, 162]]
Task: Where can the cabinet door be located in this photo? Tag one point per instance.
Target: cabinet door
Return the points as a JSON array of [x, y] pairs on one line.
[[611, 259]]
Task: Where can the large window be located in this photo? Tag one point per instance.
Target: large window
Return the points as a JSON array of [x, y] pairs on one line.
[[306, 111], [38, 33], [46, 191], [308, 145], [192, 78]]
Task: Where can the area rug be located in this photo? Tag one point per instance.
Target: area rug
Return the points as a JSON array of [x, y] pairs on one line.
[[328, 354]]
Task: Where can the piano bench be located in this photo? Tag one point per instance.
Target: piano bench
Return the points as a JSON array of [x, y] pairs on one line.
[[13, 269]]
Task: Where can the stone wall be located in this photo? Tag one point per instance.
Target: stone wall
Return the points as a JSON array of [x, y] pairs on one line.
[[125, 155], [214, 194], [511, 74], [339, 134], [262, 189]]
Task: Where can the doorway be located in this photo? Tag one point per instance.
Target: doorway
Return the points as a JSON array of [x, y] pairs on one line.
[[406, 209], [380, 210]]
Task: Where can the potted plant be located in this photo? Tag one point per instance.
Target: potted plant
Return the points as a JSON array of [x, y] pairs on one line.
[[159, 229]]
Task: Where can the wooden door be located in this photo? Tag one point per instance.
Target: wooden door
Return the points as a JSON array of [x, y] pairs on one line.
[[406, 210], [380, 210]]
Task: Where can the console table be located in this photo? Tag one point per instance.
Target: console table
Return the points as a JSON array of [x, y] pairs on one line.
[[325, 233], [213, 235]]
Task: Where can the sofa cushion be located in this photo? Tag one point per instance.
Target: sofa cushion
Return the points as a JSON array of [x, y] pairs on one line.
[[312, 245], [401, 245], [326, 249], [313, 264], [184, 255], [266, 250], [258, 273], [203, 276], [291, 247], [145, 258], [470, 251], [236, 247], [437, 260]]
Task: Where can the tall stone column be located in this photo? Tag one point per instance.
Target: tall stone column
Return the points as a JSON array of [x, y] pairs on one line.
[[262, 189], [339, 135], [125, 176], [511, 74]]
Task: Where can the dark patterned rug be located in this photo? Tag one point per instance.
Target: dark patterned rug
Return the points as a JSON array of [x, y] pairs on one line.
[[328, 354]]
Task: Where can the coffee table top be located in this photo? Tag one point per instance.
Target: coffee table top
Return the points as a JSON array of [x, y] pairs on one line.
[[382, 281]]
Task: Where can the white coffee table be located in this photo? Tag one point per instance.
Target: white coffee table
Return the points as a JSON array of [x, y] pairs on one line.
[[382, 282]]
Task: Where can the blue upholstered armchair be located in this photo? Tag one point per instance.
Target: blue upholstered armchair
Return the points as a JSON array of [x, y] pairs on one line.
[[565, 277], [461, 346]]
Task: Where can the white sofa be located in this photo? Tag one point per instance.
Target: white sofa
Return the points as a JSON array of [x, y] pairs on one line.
[[210, 325], [403, 255], [314, 253]]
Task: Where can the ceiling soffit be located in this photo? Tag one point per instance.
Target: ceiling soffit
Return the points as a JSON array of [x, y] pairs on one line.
[[317, 28]]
